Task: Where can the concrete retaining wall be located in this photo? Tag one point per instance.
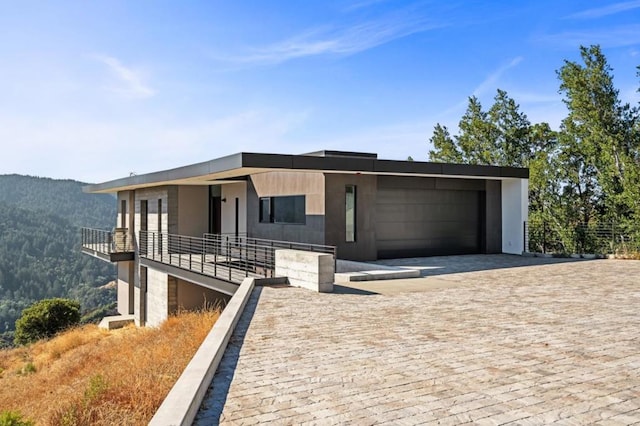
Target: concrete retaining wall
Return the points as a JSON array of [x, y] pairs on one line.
[[313, 271], [181, 405]]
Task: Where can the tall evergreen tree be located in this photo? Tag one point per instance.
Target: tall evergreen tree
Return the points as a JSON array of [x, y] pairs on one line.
[[444, 149], [478, 137], [599, 146]]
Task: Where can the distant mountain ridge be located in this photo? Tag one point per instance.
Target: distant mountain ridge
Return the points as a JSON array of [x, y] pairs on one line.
[[40, 221], [59, 197]]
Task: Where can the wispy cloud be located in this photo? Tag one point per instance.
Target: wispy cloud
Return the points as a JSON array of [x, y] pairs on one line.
[[491, 82], [611, 9], [341, 40], [131, 83], [362, 4], [624, 35]]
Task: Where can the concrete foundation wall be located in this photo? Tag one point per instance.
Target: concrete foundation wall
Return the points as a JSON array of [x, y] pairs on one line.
[[138, 307], [192, 296], [157, 302], [313, 271], [274, 184], [125, 280]]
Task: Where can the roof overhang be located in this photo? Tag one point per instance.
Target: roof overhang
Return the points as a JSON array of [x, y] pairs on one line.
[[238, 166]]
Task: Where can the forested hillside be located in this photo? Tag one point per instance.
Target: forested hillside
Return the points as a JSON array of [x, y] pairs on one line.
[[63, 198], [40, 256]]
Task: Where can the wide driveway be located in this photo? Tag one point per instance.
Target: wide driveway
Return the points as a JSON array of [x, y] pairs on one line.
[[480, 339]]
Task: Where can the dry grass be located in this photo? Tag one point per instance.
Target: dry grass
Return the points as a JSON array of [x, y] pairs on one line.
[[92, 376]]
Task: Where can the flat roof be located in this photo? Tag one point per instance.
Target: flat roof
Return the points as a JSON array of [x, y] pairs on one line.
[[237, 166]]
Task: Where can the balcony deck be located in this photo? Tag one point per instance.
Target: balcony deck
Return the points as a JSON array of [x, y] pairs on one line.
[[228, 258], [111, 246]]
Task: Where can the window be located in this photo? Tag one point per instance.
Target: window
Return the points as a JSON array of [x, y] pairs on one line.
[[123, 213], [289, 209], [350, 213], [265, 210]]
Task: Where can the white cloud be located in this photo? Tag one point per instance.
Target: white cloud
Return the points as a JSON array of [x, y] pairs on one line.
[[344, 40], [611, 9], [131, 82]]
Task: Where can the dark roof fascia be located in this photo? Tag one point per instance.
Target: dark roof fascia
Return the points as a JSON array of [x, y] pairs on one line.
[[308, 162], [229, 162]]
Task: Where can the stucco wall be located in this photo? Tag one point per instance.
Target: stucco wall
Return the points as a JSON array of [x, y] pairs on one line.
[[193, 210], [273, 184], [515, 211], [230, 192]]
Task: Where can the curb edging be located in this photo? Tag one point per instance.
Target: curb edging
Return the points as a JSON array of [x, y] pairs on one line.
[[183, 401]]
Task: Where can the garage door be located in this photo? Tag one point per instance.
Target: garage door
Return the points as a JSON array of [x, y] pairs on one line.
[[427, 222]]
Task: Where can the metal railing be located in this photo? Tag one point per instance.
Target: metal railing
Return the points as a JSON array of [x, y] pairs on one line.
[[240, 239], [591, 238], [107, 242], [228, 257]]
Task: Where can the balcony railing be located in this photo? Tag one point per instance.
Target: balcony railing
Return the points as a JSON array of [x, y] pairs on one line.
[[113, 246], [226, 257], [581, 238], [275, 244]]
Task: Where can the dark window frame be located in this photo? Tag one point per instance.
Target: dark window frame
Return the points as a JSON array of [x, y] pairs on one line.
[[284, 210], [350, 213]]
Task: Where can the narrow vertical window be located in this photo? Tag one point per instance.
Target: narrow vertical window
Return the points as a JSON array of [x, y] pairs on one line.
[[123, 213], [159, 215], [350, 213], [265, 210], [160, 225]]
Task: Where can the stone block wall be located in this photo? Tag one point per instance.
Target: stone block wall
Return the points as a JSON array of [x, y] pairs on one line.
[[313, 271]]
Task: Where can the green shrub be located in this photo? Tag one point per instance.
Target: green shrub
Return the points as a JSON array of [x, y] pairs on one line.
[[13, 418], [45, 318], [97, 386], [27, 369]]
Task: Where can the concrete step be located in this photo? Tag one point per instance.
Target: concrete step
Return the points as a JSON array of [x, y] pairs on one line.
[[116, 321], [350, 271]]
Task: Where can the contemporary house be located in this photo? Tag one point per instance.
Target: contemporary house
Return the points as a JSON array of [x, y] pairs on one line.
[[352, 205]]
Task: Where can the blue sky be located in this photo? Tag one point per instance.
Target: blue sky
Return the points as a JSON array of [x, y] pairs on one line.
[[97, 90]]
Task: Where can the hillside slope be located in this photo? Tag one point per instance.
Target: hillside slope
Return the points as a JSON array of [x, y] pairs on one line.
[[40, 256], [91, 376], [62, 198]]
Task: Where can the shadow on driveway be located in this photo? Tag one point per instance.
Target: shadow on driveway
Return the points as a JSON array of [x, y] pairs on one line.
[[442, 265]]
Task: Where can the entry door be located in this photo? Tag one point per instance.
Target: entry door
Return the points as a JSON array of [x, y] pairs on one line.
[[215, 215]]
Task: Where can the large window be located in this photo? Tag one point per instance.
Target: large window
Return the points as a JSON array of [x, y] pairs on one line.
[[350, 213], [288, 209]]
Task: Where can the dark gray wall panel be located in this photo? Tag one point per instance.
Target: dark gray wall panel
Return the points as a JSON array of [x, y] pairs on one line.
[[364, 248], [493, 217], [415, 219]]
